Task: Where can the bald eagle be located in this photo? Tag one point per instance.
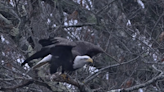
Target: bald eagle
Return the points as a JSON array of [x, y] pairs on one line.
[[61, 52]]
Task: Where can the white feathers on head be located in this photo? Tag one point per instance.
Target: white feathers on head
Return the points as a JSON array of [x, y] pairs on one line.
[[80, 61]]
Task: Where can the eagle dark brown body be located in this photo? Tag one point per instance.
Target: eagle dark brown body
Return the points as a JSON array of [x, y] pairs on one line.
[[63, 52]]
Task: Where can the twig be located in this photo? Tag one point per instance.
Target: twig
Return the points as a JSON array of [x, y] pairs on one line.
[[107, 67], [76, 83], [160, 76], [105, 7], [17, 86], [157, 22], [110, 56], [80, 25], [27, 82]]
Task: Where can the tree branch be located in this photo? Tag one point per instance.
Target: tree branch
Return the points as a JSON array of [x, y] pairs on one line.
[[92, 76], [159, 77], [27, 82], [80, 25]]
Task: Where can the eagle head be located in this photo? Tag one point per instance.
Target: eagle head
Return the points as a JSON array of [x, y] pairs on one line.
[[80, 61]]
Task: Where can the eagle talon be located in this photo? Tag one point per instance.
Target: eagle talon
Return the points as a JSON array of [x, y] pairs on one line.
[[64, 76]]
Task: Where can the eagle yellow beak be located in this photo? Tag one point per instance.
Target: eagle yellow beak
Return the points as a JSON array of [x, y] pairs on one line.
[[90, 60]]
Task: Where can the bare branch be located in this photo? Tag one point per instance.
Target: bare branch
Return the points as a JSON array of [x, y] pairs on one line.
[[80, 25], [92, 76], [159, 77]]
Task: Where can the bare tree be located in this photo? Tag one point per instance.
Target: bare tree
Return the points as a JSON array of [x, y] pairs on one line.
[[129, 31]]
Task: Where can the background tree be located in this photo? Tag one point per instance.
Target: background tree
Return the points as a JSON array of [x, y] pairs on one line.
[[129, 31]]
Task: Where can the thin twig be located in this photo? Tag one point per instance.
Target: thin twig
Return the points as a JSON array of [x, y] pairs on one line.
[[107, 67], [80, 25], [157, 22], [160, 76]]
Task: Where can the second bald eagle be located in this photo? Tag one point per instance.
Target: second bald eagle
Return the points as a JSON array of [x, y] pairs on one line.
[[60, 52]]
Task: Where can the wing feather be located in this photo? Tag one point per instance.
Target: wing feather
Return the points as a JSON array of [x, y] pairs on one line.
[[86, 48], [48, 46]]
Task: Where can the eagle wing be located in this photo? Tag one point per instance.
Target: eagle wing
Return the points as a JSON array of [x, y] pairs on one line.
[[81, 47], [61, 57], [86, 48], [48, 46], [56, 41]]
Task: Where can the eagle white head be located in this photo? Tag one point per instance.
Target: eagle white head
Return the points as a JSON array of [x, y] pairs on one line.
[[80, 61]]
